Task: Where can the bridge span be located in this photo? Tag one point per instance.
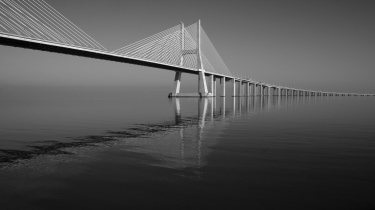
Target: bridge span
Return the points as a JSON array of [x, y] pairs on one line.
[[37, 25]]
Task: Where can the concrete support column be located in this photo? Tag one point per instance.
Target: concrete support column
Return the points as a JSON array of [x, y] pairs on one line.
[[253, 86], [240, 88], [269, 90], [214, 86], [222, 80], [210, 84], [234, 87], [202, 85], [177, 83], [261, 90], [279, 91], [247, 89]]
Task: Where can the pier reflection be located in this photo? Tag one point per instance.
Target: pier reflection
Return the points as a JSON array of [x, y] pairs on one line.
[[188, 143]]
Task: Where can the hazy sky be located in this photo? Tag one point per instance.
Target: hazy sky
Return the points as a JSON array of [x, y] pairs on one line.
[[322, 45]]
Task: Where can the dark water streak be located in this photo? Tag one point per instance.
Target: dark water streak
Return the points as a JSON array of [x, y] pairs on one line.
[[55, 147]]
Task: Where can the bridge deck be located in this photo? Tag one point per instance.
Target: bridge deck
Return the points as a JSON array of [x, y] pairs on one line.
[[56, 48]]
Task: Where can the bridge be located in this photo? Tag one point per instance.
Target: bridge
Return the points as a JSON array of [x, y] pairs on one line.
[[37, 25]]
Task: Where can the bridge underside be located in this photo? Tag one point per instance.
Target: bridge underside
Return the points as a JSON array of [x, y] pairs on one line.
[[88, 54]]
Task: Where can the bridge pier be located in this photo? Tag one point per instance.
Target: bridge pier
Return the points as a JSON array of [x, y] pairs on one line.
[[233, 87], [202, 86], [177, 83], [214, 86], [269, 90], [253, 86], [210, 84], [222, 81], [240, 89], [247, 89]]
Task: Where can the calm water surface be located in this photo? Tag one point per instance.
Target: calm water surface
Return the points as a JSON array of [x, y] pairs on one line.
[[111, 148]]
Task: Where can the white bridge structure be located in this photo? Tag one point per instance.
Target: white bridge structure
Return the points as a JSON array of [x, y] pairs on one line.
[[34, 24]]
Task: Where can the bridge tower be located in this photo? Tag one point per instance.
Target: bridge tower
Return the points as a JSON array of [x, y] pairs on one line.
[[202, 83]]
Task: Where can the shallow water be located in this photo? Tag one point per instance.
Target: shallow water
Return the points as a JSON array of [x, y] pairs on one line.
[[139, 149]]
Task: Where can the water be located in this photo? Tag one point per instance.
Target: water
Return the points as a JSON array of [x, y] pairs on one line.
[[64, 148]]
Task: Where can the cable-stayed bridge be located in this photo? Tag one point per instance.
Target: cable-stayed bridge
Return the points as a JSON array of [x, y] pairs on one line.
[[34, 24]]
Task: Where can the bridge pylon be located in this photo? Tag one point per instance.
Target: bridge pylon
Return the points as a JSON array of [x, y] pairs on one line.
[[202, 83]]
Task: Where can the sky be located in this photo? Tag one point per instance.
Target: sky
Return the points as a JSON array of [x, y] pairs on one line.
[[319, 45]]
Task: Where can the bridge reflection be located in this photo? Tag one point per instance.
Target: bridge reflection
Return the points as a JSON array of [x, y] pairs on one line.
[[187, 145]]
